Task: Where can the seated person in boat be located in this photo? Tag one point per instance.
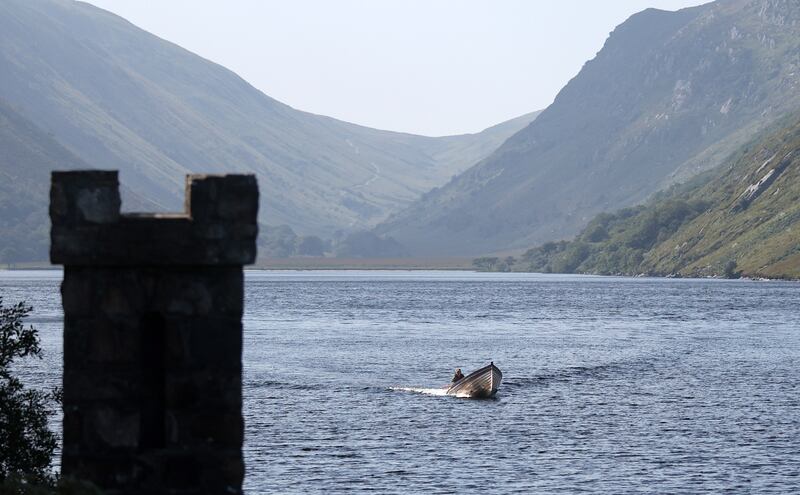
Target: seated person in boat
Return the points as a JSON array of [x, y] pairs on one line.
[[458, 376]]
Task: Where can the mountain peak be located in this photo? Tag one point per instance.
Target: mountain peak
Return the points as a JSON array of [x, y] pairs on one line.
[[669, 95]]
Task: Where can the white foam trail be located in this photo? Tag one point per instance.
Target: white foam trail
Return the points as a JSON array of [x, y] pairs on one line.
[[427, 391]]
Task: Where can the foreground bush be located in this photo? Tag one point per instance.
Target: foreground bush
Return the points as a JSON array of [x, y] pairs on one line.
[[26, 442]]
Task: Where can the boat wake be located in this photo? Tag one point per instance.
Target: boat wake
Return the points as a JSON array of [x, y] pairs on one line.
[[417, 390], [430, 391]]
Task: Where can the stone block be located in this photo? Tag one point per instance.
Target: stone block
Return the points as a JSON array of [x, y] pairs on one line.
[[222, 197], [204, 390], [181, 471], [115, 428], [89, 342], [76, 341], [227, 473], [218, 290], [232, 470], [77, 294], [106, 469], [204, 343], [101, 384], [192, 299], [210, 429], [72, 429], [84, 197]]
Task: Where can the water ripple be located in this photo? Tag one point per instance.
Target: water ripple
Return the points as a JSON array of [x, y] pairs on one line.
[[610, 385]]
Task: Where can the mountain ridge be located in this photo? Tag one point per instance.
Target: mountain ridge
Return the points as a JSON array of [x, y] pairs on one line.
[[669, 95], [119, 97]]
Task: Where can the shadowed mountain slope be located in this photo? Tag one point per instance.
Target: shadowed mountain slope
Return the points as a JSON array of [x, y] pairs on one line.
[[27, 155], [669, 95], [118, 97]]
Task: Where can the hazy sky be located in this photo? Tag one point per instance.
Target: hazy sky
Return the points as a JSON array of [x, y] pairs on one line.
[[424, 66]]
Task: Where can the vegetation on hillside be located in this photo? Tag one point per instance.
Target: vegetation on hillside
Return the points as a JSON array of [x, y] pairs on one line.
[[494, 263], [742, 219], [615, 243], [283, 242], [365, 244], [754, 220]]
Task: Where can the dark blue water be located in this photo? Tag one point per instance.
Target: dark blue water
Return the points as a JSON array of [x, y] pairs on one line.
[[610, 385]]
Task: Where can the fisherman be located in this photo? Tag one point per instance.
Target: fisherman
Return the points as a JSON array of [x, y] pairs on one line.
[[458, 376]]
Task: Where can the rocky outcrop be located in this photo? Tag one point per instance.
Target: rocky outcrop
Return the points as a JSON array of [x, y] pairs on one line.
[[755, 190]]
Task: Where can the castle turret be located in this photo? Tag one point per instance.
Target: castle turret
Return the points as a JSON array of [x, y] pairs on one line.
[[153, 333]]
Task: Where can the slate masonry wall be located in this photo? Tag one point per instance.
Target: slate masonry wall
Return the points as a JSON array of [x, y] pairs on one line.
[[153, 333]]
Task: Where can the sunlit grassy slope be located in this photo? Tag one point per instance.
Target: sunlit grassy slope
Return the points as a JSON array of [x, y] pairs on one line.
[[741, 219], [762, 236]]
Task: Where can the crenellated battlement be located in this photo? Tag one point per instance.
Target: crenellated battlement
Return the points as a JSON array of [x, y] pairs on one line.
[[218, 226]]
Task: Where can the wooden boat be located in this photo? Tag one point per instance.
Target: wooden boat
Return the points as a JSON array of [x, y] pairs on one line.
[[478, 384]]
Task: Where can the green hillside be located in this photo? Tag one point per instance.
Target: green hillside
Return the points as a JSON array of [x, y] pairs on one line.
[[753, 220], [118, 97], [27, 155], [741, 219], [669, 95], [26, 159]]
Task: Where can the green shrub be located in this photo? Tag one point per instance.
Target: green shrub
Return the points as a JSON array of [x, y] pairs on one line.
[[26, 442]]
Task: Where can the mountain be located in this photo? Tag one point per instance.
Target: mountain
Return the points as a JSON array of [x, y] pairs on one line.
[[753, 221], [118, 97], [742, 218], [24, 228], [669, 95], [27, 155]]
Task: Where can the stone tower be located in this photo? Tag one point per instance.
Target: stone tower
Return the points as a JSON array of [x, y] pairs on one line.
[[153, 333]]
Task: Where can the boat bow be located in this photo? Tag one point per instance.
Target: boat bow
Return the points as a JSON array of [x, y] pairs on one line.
[[480, 383]]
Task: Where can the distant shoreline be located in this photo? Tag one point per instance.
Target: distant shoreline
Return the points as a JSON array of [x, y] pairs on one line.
[[399, 264], [312, 263]]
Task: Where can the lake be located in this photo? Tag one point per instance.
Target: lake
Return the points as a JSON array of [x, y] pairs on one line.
[[610, 384]]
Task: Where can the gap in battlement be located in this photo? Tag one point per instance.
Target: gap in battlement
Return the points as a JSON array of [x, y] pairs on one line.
[[136, 201], [155, 215]]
